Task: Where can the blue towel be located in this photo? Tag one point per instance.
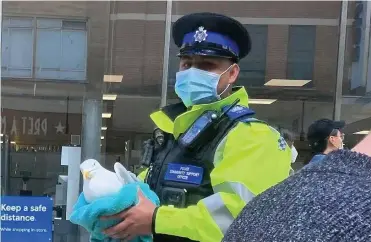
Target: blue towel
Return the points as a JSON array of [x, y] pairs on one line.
[[88, 215]]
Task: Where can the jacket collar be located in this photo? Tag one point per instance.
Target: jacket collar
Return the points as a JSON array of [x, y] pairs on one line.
[[317, 158], [175, 119]]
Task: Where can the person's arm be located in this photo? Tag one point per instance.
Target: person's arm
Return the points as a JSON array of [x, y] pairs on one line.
[[247, 162], [364, 146]]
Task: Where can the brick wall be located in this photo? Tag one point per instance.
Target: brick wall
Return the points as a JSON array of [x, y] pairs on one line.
[[138, 44], [325, 61], [63, 9], [137, 47], [263, 9], [276, 63], [138, 52]]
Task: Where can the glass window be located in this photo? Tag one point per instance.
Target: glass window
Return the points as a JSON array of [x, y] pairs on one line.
[[356, 88], [17, 47], [60, 49], [173, 63], [301, 52], [252, 68]]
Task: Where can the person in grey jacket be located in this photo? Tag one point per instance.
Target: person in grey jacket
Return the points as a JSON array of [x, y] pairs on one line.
[[325, 201]]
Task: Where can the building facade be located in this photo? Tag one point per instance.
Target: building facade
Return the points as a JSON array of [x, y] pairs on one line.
[[90, 73]]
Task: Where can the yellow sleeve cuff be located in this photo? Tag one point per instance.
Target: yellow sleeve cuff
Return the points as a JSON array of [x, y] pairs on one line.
[[169, 220]]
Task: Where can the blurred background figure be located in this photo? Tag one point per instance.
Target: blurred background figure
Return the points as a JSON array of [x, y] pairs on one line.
[[325, 136], [290, 139]]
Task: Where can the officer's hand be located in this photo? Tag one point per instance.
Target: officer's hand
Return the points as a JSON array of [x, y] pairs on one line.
[[136, 221]]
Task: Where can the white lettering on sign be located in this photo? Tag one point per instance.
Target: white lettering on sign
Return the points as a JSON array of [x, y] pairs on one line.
[[8, 208], [184, 168], [195, 174], [13, 131], [182, 177], [30, 130], [37, 127], [182, 174], [39, 208], [30, 126], [177, 172]]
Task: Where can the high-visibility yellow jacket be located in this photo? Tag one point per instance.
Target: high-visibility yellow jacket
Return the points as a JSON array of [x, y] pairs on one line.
[[250, 159]]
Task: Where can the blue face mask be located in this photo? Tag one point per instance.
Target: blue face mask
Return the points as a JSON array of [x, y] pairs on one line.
[[195, 86]]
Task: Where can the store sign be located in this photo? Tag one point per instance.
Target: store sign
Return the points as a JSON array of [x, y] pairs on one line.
[[27, 125], [26, 218], [31, 124]]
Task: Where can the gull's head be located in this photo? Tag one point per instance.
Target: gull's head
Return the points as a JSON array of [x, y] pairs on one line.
[[88, 168]]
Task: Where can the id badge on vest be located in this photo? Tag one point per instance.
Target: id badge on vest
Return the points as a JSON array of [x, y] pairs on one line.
[[180, 173], [184, 173]]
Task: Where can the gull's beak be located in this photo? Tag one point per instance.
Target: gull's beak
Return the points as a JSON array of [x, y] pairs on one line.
[[86, 175]]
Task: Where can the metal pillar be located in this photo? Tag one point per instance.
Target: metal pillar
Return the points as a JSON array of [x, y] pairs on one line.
[[340, 64], [91, 129], [165, 69], [367, 64], [5, 166], [90, 145]]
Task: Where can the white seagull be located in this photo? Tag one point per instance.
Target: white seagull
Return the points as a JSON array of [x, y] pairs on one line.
[[100, 182]]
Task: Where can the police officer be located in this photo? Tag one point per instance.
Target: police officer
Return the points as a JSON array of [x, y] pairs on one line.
[[210, 156]]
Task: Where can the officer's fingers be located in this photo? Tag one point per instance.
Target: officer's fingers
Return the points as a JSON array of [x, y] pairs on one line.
[[122, 236], [108, 217], [129, 238], [119, 229]]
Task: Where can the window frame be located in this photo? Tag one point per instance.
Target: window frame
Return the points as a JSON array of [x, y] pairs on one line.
[[34, 46]]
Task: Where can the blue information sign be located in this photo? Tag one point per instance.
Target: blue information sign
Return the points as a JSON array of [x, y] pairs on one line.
[[26, 219], [184, 173]]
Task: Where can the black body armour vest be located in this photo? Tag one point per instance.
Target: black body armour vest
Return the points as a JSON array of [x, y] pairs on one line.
[[181, 176]]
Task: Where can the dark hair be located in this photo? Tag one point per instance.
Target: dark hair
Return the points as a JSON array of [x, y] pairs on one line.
[[318, 146]]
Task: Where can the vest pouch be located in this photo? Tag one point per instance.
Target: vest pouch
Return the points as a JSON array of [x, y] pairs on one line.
[[174, 196], [179, 198], [184, 184]]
